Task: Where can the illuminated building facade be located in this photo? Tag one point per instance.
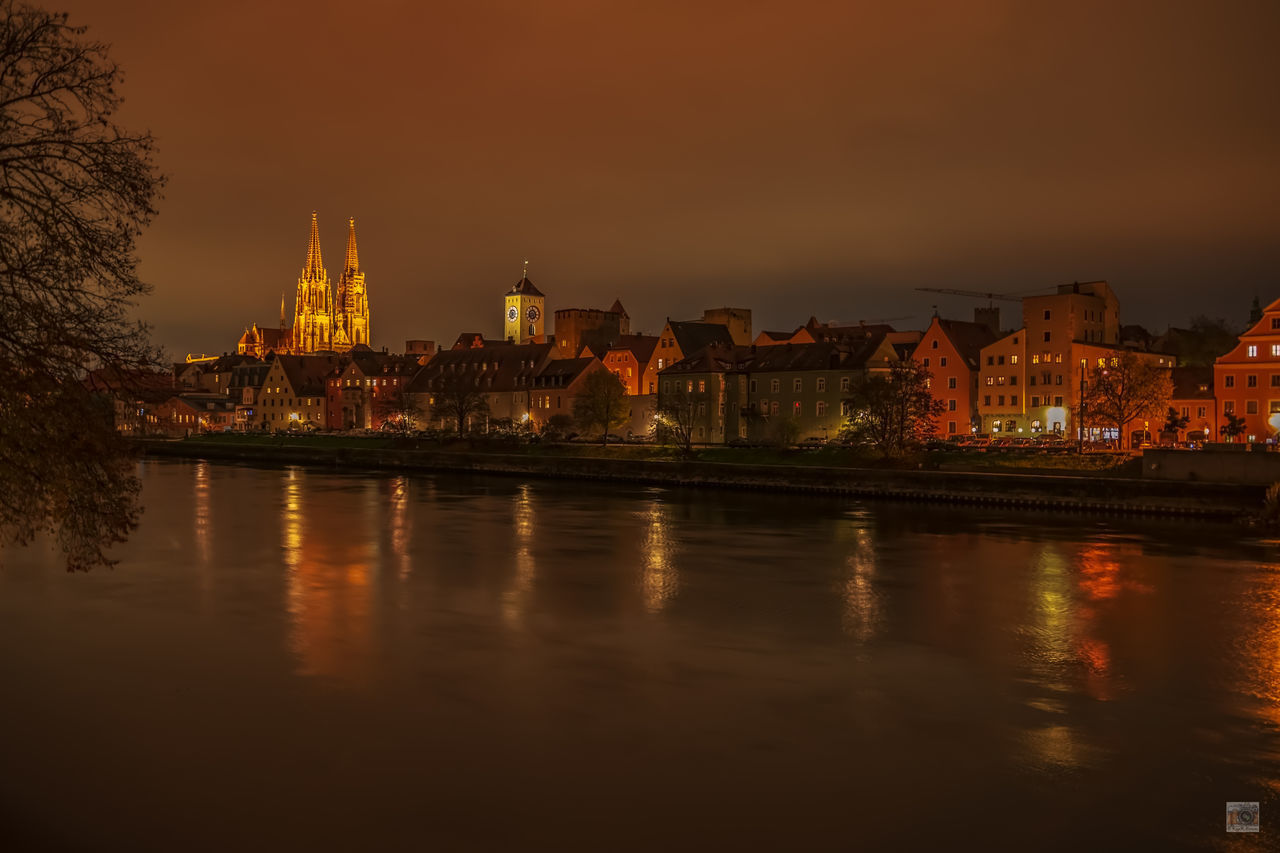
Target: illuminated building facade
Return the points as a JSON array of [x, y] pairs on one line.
[[1247, 379], [951, 350], [313, 309], [524, 314], [351, 317]]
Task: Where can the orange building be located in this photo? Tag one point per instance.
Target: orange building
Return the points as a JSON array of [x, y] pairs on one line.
[[629, 358], [952, 350], [678, 341], [1246, 381], [1193, 399]]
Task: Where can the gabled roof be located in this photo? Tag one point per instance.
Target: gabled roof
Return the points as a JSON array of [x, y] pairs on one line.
[[475, 340], [1192, 383], [500, 367], [306, 373], [617, 308], [714, 359], [526, 287], [563, 371], [692, 336], [640, 346], [967, 338]]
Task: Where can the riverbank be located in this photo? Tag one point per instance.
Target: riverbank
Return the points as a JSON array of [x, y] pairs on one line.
[[1089, 492]]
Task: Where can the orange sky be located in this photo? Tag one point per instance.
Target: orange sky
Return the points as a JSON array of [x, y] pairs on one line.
[[793, 157]]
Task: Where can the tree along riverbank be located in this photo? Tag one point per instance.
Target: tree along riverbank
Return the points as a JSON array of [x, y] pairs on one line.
[[1070, 490]]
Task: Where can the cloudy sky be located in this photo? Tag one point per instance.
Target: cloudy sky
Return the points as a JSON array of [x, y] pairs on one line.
[[792, 157]]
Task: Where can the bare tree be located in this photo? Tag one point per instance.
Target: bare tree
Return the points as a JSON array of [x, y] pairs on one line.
[[894, 411], [602, 403], [76, 190], [1126, 389], [676, 418], [458, 399]]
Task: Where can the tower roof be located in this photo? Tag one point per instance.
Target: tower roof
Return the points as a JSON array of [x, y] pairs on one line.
[[315, 264], [352, 264], [617, 308], [526, 287]]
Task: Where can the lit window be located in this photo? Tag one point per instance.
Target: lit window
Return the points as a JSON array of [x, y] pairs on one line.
[[822, 384], [1253, 350], [1013, 359], [821, 409], [1035, 359], [797, 385], [1275, 349], [702, 385], [795, 407], [775, 385], [844, 383]]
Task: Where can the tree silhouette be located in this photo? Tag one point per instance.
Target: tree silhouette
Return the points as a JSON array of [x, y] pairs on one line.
[[75, 192], [602, 403]]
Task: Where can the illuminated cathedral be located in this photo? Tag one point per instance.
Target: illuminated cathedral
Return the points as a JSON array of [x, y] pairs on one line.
[[321, 323]]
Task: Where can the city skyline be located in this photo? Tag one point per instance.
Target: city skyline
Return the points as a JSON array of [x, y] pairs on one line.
[[823, 161]]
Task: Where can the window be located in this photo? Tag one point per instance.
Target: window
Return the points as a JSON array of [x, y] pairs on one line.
[[934, 345], [1274, 406], [1275, 380], [1013, 359], [1229, 407], [1035, 426], [753, 386], [702, 385], [702, 408], [1057, 401], [1200, 411], [951, 381], [1058, 358], [991, 359], [1048, 336], [821, 409], [1251, 407], [1275, 349], [1251, 381], [764, 407], [991, 380], [689, 386], [822, 384], [1047, 315], [650, 387], [775, 385], [1013, 380], [1228, 381], [999, 359], [1013, 400], [1253, 350], [1057, 380], [660, 364], [1031, 380], [926, 361], [986, 399], [844, 383], [1035, 402], [1010, 425], [1000, 400], [1275, 322], [773, 407], [795, 408], [942, 361], [796, 385], [951, 426], [1035, 359], [951, 405], [999, 380]]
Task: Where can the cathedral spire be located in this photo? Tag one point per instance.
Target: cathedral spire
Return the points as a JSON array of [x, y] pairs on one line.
[[353, 257], [314, 268]]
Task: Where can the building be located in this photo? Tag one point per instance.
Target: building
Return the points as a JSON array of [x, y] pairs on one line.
[[524, 313], [677, 341], [1246, 380], [951, 350], [1193, 399], [367, 391], [736, 320], [293, 394], [503, 373], [351, 314], [591, 328], [319, 323]]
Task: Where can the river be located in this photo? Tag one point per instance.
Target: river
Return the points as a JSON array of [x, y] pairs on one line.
[[291, 659]]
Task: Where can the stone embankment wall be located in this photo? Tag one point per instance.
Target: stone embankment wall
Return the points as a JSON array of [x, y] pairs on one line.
[[1243, 466], [1076, 493]]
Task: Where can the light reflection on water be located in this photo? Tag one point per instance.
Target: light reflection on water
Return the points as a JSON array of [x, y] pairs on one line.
[[814, 657]]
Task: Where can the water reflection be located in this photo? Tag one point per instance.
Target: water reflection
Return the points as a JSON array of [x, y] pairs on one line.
[[203, 522], [515, 598], [659, 579], [330, 550], [861, 612], [401, 524]]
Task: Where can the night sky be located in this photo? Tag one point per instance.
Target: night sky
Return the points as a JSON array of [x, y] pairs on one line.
[[795, 158]]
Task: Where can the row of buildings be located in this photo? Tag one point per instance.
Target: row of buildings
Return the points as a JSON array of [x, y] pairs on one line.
[[740, 384]]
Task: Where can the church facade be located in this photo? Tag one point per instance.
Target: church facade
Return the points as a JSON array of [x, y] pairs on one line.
[[321, 323]]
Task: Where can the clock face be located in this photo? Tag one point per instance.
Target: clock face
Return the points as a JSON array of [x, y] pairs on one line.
[[512, 314], [532, 313]]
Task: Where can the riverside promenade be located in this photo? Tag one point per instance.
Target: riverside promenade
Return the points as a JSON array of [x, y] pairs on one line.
[[1068, 491]]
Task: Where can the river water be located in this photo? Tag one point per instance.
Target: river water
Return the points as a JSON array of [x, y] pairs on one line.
[[299, 659]]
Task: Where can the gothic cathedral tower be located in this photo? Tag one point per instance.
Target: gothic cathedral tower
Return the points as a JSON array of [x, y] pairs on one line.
[[351, 317], [524, 319], [313, 311]]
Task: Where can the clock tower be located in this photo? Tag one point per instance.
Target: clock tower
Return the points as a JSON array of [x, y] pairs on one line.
[[525, 315]]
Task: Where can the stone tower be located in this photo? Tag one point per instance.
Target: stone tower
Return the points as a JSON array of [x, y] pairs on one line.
[[525, 313], [351, 315], [313, 311]]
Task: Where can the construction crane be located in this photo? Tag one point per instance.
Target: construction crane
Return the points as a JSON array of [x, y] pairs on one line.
[[1016, 296]]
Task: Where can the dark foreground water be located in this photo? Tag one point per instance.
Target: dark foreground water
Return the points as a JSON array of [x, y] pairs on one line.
[[299, 660]]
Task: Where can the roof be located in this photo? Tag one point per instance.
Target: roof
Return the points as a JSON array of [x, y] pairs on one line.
[[782, 358], [475, 340], [714, 359], [640, 346], [968, 339], [691, 336], [306, 373], [499, 367], [526, 287], [563, 371], [1192, 383], [617, 308]]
